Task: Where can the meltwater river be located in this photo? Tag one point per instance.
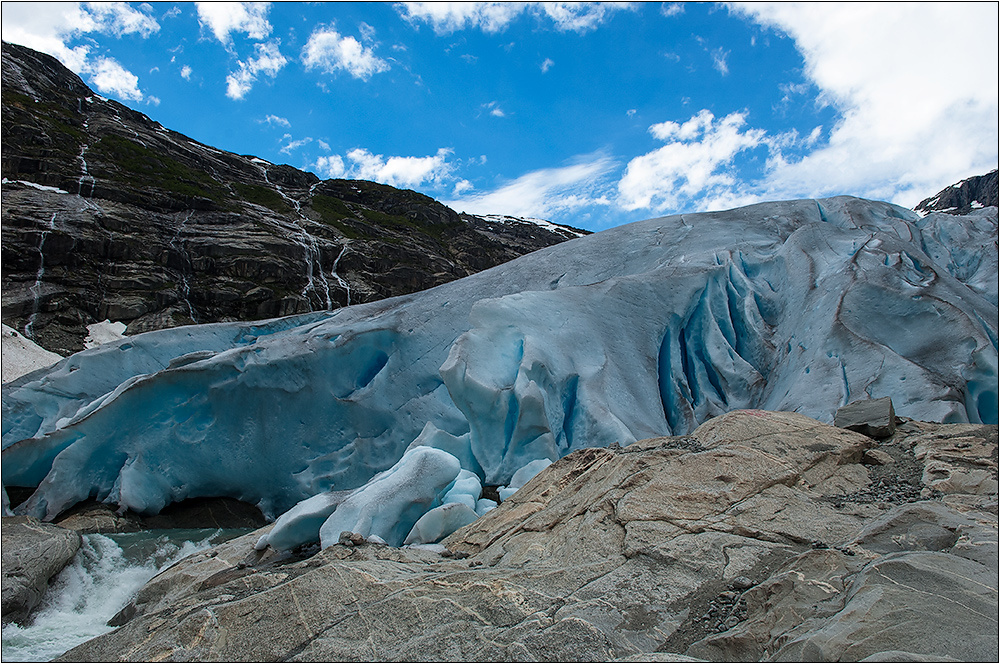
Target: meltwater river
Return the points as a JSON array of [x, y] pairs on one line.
[[102, 578]]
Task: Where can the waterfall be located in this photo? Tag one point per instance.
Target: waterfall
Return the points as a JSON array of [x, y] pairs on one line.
[[85, 174], [313, 255], [36, 289], [177, 244], [103, 577], [336, 275]]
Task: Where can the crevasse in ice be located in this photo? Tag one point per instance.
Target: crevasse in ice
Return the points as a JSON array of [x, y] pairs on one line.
[[642, 330]]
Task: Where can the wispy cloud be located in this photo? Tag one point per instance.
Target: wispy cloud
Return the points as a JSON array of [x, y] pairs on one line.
[[719, 60], [493, 17], [546, 65], [669, 9], [186, 73], [291, 146], [329, 51], [269, 62], [494, 109], [277, 120], [547, 192]]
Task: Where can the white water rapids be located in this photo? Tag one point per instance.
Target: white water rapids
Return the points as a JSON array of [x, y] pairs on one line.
[[103, 577]]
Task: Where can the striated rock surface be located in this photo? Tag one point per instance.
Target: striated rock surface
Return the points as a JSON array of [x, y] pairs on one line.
[[760, 536], [109, 215], [32, 554]]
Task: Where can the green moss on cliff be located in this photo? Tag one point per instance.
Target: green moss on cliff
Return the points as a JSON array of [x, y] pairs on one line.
[[263, 196], [129, 162]]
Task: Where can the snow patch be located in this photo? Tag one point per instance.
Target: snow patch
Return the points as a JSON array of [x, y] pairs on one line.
[[547, 225], [34, 185], [103, 333], [22, 355]]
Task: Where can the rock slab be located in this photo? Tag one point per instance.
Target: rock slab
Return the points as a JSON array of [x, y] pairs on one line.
[[32, 553], [761, 536], [874, 418]]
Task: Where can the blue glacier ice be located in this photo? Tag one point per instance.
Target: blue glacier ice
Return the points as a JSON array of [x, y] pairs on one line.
[[522, 476], [642, 330], [439, 522], [390, 504]]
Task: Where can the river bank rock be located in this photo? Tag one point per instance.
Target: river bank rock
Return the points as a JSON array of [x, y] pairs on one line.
[[32, 553], [760, 536], [94, 517]]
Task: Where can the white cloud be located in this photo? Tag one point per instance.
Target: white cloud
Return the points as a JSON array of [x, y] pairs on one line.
[[545, 193], [225, 18], [399, 171], [269, 62], [323, 145], [277, 120], [669, 9], [546, 65], [691, 165], [331, 167], [461, 187], [50, 29], [295, 145], [361, 164], [579, 16], [367, 32], [109, 77], [493, 17], [719, 60], [116, 18], [916, 88], [494, 109], [328, 51], [186, 73]]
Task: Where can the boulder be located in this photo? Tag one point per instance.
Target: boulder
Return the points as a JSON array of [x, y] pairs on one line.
[[32, 553], [874, 418], [759, 536]]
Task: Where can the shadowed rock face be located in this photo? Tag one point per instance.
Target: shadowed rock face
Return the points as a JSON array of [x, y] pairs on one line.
[[761, 536], [963, 197], [33, 553], [107, 214]]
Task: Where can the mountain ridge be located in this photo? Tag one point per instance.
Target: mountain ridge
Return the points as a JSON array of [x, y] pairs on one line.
[[109, 215]]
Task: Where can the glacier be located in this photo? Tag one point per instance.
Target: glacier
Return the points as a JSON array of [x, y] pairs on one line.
[[642, 330]]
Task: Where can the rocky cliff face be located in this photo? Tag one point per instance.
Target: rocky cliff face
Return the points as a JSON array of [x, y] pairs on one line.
[[760, 537], [107, 214], [963, 197]]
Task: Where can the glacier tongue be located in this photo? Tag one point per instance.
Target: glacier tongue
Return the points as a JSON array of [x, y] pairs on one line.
[[642, 330]]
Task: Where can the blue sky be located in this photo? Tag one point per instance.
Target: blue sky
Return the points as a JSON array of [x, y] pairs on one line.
[[591, 114]]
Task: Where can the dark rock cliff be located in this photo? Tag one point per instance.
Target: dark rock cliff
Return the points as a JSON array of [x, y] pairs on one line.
[[962, 198], [109, 215]]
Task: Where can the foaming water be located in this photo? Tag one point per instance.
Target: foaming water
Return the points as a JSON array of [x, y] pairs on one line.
[[102, 578]]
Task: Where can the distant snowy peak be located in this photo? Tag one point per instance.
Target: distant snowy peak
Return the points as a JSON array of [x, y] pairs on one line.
[[963, 197], [559, 229]]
